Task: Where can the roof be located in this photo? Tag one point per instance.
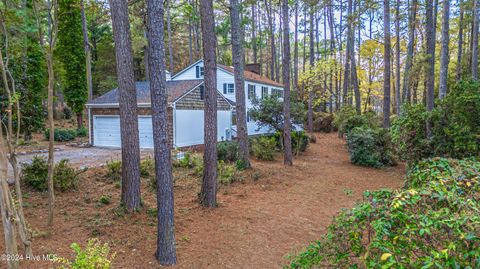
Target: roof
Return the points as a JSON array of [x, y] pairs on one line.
[[253, 77], [175, 90], [249, 76]]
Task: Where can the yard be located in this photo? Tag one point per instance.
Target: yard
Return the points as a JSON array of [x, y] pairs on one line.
[[275, 210]]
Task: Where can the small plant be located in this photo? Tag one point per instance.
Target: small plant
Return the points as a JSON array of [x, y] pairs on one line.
[[82, 132], [227, 151], [114, 170], [61, 135], [35, 173], [104, 199], [264, 148], [184, 162], [300, 142], [147, 167], [94, 256], [369, 147], [226, 173], [67, 113], [65, 177]]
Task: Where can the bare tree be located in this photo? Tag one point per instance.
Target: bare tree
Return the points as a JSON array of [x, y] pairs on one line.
[[128, 106], [208, 195], [287, 139], [166, 253], [386, 60], [238, 64], [444, 56], [88, 51]]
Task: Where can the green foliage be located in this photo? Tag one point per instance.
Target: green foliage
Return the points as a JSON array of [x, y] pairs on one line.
[[323, 122], [34, 174], [227, 173], [71, 54], [82, 132], [300, 142], [105, 199], [264, 147], [61, 135], [185, 162], [370, 147], [94, 256], [147, 167], [347, 119], [114, 170], [435, 224], [227, 151], [268, 112]]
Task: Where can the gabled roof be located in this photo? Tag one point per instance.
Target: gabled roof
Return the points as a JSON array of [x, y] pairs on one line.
[[175, 90], [249, 76]]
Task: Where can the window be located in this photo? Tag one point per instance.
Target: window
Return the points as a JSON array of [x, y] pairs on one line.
[[234, 118], [249, 117], [199, 70], [264, 92], [277, 92], [202, 92], [228, 88], [251, 92]]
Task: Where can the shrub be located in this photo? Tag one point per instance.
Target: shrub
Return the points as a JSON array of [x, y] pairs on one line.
[[65, 177], [370, 147], [95, 255], [435, 224], [82, 132], [347, 119], [300, 142], [323, 122], [67, 113], [227, 151], [114, 170], [185, 162], [226, 173], [61, 135], [264, 147], [104, 199], [147, 167]]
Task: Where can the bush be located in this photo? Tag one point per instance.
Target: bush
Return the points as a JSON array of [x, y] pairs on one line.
[[104, 199], [300, 142], [95, 255], [185, 162], [370, 147], [82, 132], [114, 170], [227, 151], [323, 122], [67, 113], [435, 224], [65, 177], [61, 135], [147, 167], [264, 147], [227, 173], [347, 119]]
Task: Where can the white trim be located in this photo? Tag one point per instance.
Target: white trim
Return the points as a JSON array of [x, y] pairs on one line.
[[89, 127], [186, 68]]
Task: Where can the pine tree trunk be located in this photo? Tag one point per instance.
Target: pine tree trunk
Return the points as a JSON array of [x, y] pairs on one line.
[[295, 51], [347, 76], [409, 58], [254, 35], [273, 55], [128, 106], [430, 67], [398, 100], [170, 46], [353, 67], [475, 41], [166, 252], [460, 41], [287, 139], [387, 68], [311, 93], [238, 64], [88, 52], [208, 195], [444, 56]]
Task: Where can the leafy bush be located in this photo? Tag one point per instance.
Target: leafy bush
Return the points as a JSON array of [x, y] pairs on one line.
[[433, 225], [300, 142], [323, 122], [227, 151], [67, 113], [104, 199], [65, 177], [147, 167], [61, 135], [370, 147], [185, 162], [82, 132], [227, 173], [347, 119], [114, 170], [95, 255], [264, 147]]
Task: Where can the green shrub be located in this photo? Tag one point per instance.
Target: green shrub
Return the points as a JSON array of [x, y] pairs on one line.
[[67, 113], [323, 122], [65, 177], [347, 119], [94, 256], [300, 142], [82, 132], [227, 151], [185, 162], [61, 135], [227, 173], [370, 147], [114, 170], [264, 147], [433, 225], [104, 199], [147, 167]]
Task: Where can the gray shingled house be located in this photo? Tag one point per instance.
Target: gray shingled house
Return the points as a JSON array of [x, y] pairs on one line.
[[185, 114]]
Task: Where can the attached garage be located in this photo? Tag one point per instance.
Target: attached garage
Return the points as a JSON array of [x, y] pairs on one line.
[[185, 116]]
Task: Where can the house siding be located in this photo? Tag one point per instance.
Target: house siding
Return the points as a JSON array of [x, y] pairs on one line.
[[192, 101]]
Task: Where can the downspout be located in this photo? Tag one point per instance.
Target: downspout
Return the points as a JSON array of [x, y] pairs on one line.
[[90, 131]]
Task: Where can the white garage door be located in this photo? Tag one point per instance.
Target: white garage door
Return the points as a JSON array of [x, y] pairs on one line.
[[106, 131], [189, 126]]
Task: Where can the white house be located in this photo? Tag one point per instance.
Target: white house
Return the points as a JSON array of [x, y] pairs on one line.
[[256, 86]]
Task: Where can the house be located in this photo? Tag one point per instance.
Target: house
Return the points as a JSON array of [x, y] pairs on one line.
[[185, 115], [185, 111], [256, 86]]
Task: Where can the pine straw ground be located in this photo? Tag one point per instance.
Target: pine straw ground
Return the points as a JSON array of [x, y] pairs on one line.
[[274, 211]]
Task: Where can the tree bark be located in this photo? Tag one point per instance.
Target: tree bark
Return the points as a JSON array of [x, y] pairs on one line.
[[398, 100], [166, 251], [238, 64], [386, 56], [208, 195], [295, 51], [311, 93], [287, 139], [410, 47], [128, 106], [88, 52], [268, 7], [460, 41], [254, 34], [170, 46], [444, 56], [430, 67], [353, 66], [475, 40]]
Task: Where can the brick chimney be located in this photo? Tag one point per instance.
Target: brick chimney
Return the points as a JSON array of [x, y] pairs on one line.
[[254, 68]]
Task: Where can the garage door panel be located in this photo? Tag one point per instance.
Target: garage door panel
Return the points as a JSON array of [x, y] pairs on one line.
[[107, 131]]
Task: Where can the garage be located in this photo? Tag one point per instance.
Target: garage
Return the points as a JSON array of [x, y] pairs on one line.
[[107, 131]]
